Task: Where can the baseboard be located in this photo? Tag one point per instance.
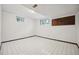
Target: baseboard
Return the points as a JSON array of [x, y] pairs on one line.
[[0, 47], [17, 39], [77, 45], [58, 40], [40, 37]]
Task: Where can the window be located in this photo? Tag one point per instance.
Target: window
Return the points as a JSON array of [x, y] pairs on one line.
[[19, 19], [44, 21]]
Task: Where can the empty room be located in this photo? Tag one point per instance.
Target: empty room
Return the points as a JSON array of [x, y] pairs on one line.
[[39, 29]]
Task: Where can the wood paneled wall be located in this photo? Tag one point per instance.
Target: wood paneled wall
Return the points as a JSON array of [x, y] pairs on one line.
[[69, 20]]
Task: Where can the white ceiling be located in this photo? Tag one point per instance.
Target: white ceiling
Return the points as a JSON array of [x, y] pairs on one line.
[[54, 10]]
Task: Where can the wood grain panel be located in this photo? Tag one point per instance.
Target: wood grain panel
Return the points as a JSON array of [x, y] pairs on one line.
[[69, 20]]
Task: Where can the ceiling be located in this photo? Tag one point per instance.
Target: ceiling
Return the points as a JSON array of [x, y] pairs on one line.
[[54, 10]]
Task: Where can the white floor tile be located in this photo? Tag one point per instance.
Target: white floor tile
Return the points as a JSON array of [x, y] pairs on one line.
[[36, 45]]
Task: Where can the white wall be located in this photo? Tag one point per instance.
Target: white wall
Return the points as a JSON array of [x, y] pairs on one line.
[[31, 26], [0, 24], [13, 29], [77, 27], [65, 32]]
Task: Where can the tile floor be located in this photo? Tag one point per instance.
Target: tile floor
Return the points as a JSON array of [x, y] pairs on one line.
[[38, 46]]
